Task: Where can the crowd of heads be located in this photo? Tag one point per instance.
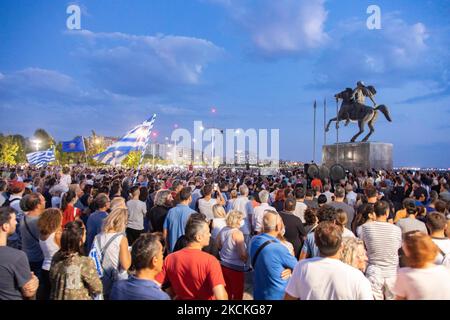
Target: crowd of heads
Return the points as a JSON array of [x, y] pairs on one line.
[[378, 196]]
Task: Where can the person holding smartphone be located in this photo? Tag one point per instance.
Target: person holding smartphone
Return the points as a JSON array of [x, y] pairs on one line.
[[206, 203]]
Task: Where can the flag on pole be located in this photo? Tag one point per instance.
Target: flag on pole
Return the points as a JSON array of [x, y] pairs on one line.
[[40, 158], [75, 145], [134, 140]]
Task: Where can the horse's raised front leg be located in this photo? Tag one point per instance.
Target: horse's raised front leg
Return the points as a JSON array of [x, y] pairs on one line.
[[329, 123], [361, 130]]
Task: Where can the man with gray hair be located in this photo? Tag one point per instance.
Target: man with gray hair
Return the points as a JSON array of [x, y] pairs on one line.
[[244, 205], [351, 195], [271, 260], [328, 193], [338, 203], [258, 214]]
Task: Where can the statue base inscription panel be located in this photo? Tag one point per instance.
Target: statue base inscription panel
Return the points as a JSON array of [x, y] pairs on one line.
[[359, 155]]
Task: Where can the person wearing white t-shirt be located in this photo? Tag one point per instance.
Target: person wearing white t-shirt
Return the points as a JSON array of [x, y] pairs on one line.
[[258, 212], [206, 203], [300, 206], [437, 224], [326, 277], [328, 193], [244, 205], [66, 179], [422, 279], [351, 195], [137, 210]]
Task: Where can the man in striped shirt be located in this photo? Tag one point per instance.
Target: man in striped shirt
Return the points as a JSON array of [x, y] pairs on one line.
[[382, 240]]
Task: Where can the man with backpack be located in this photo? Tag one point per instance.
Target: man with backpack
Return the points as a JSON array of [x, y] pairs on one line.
[[271, 260], [16, 190]]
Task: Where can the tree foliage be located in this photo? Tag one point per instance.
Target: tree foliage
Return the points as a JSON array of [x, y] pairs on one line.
[[23, 148], [8, 150], [132, 160]]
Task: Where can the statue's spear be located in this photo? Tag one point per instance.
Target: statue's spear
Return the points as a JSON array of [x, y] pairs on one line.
[[324, 121]]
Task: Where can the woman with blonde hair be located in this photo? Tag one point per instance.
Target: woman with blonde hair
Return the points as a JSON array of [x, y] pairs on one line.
[[113, 245], [219, 221], [49, 225], [233, 255], [353, 253], [230, 202], [422, 279], [118, 202]]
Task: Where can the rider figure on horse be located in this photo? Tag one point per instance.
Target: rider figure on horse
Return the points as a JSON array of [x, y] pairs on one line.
[[362, 91], [359, 97]]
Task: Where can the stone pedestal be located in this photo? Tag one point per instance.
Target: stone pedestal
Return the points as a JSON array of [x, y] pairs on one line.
[[359, 155]]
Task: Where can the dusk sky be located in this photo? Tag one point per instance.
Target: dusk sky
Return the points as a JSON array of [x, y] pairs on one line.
[[260, 63]]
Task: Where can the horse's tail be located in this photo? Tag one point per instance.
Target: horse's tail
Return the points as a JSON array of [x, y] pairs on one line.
[[385, 111]]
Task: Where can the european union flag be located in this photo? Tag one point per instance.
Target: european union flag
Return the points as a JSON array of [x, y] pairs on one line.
[[75, 145]]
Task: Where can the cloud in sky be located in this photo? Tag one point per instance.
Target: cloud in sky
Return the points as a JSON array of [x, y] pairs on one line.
[[35, 97], [144, 65], [280, 28], [397, 53]]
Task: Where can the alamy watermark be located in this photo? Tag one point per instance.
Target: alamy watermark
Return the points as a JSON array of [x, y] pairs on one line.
[[73, 22], [374, 20], [228, 146]]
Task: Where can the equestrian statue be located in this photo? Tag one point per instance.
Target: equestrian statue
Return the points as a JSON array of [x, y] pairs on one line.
[[354, 109]]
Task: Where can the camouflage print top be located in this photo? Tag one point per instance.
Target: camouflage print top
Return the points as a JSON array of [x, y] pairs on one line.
[[74, 278]]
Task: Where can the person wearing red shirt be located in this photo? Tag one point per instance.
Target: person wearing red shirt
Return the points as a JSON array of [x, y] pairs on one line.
[[191, 273], [316, 183], [70, 213]]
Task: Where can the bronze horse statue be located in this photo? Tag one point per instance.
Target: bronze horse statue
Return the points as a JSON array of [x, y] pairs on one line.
[[353, 111]]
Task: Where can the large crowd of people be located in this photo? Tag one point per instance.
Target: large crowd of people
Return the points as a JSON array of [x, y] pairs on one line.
[[82, 233]]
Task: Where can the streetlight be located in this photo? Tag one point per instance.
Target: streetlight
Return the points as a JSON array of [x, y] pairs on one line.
[[36, 142]]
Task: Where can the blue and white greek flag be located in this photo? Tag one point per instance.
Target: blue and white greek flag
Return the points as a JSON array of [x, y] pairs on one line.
[[134, 140], [40, 158]]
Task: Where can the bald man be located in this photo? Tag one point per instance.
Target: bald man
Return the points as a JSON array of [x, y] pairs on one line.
[[271, 260]]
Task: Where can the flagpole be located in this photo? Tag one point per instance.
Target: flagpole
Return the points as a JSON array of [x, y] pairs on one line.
[[337, 131], [324, 121], [85, 151]]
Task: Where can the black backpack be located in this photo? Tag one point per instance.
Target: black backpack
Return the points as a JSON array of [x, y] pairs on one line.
[[8, 202]]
